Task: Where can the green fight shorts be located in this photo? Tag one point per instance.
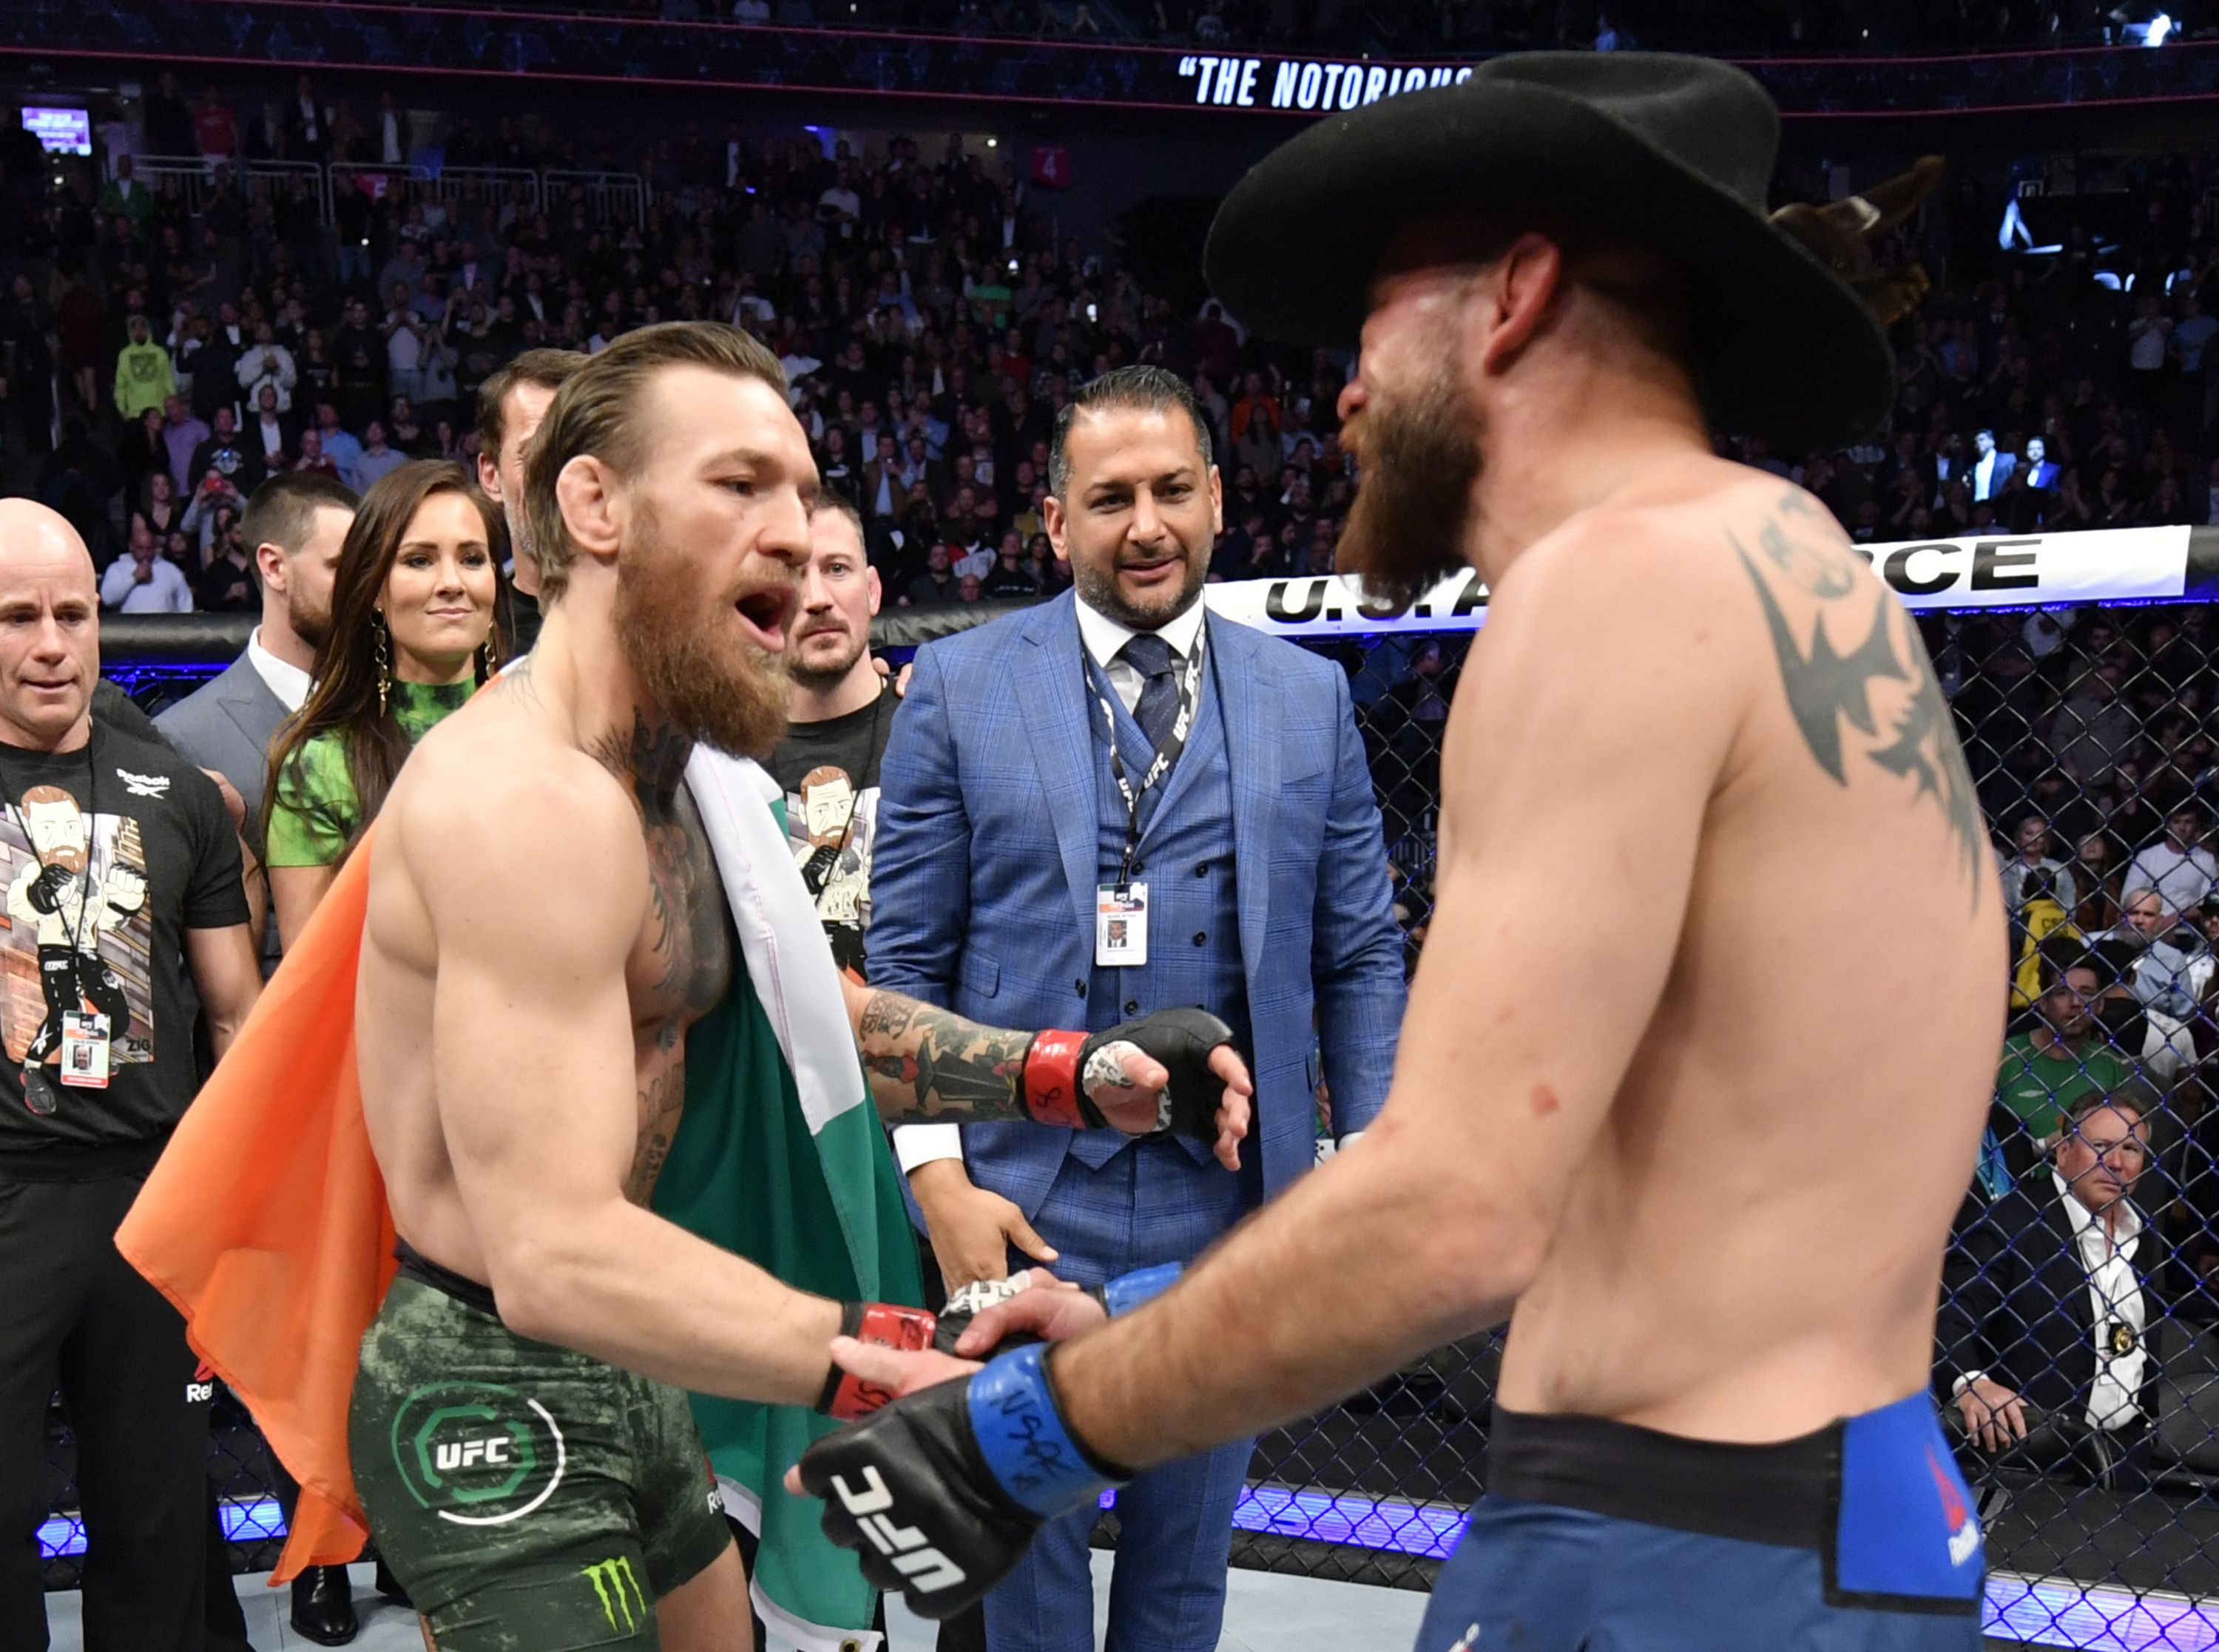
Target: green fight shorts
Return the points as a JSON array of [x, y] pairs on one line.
[[530, 1498]]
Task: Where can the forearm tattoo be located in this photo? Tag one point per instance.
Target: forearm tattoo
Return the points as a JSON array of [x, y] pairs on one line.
[[926, 1063]]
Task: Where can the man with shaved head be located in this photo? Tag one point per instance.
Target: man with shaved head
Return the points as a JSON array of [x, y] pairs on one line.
[[120, 863]]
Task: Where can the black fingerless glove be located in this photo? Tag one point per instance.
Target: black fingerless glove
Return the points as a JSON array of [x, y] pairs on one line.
[[1183, 1039]]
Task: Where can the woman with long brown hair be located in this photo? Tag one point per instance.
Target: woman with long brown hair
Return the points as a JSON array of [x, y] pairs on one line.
[[412, 634]]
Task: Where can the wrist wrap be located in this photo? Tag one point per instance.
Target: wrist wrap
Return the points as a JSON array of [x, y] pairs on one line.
[[1025, 1441], [845, 1396], [1051, 1080]]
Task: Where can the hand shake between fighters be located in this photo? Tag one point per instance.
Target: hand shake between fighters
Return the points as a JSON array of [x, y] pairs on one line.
[[941, 1491]]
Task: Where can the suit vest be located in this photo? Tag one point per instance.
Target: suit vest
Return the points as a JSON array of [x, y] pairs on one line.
[[1185, 858]]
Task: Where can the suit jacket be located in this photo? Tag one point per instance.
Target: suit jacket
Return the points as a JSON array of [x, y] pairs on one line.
[[1998, 473], [226, 724], [2015, 1301], [984, 874]]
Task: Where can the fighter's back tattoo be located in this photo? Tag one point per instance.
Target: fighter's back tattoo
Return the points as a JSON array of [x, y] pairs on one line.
[[1827, 688]]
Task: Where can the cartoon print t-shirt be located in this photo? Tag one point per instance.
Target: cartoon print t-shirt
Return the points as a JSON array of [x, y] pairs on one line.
[[829, 774], [107, 855]]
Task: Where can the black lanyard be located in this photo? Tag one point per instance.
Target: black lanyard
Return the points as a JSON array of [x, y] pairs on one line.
[[1167, 755], [816, 871]]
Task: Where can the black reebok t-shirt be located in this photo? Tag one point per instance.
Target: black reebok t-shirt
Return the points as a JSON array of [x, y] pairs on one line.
[[829, 774], [108, 856]]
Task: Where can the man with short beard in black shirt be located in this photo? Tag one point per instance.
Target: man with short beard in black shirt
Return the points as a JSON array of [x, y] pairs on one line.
[[842, 710]]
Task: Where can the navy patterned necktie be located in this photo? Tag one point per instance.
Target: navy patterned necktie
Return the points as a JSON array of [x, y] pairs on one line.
[[1157, 710]]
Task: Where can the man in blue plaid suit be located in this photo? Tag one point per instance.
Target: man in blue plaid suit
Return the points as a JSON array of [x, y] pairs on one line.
[[1105, 806]]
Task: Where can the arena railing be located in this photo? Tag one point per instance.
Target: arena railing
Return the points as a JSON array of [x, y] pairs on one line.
[[608, 195], [197, 176], [443, 184], [2081, 674]]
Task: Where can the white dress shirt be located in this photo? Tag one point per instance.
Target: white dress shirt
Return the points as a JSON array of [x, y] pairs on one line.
[[1104, 637], [2115, 1297], [286, 680]]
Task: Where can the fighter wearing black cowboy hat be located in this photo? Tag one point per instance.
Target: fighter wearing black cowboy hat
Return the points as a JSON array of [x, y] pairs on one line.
[[1705, 825]]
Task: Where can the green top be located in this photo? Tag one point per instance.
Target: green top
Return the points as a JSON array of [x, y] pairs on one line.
[[317, 791], [2041, 1086]]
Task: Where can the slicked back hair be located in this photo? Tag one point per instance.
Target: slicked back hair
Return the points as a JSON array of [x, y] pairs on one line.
[[599, 412], [1149, 390], [550, 370]]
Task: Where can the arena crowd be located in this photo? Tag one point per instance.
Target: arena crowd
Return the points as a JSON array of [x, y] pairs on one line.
[[168, 350]]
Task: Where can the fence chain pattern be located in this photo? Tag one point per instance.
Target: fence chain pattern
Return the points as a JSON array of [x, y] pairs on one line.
[[2077, 1373]]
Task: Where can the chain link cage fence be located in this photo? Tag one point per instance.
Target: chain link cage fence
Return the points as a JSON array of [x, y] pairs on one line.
[[2082, 1392]]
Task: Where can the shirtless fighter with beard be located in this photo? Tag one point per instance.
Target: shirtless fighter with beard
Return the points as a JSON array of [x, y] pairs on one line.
[[544, 922], [1633, 1105]]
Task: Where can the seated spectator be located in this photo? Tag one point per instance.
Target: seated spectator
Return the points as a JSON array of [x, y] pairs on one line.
[[227, 585], [2179, 868], [2159, 976], [376, 461], [1010, 575], [313, 457], [145, 582], [2048, 1296], [2204, 956], [938, 582], [2064, 1057]]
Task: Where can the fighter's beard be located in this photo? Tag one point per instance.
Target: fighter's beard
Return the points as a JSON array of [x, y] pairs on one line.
[[1421, 455], [726, 693], [819, 680]]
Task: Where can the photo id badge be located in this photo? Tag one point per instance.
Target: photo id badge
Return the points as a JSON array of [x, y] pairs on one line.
[[1121, 925], [84, 1051]]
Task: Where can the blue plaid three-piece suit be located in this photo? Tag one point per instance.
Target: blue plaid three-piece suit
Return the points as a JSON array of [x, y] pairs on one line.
[[1269, 905]]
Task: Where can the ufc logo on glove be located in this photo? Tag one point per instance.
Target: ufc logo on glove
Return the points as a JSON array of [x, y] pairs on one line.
[[924, 1568]]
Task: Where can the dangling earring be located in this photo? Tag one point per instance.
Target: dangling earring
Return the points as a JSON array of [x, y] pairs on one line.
[[384, 660], [488, 658]]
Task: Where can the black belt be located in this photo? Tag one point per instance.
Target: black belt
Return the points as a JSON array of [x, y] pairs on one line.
[[1780, 1494], [415, 1265]]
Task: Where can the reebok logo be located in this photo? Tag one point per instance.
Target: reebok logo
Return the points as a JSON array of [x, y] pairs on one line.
[[198, 1393], [144, 785], [927, 1570], [618, 1591]]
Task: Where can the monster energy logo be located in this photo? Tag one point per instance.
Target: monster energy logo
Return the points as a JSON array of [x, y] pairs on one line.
[[617, 1590]]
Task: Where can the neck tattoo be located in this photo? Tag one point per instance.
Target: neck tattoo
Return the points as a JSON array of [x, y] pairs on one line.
[[652, 762]]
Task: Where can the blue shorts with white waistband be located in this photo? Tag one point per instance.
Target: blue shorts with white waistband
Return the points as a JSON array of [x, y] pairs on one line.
[[1597, 1537]]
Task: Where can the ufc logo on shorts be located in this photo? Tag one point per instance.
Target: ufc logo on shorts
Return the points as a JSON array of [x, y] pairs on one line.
[[468, 1454], [927, 1569]]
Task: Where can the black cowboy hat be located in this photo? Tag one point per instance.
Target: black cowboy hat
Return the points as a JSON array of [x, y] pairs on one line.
[[1672, 153]]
